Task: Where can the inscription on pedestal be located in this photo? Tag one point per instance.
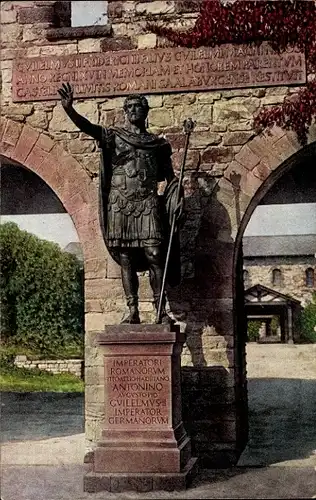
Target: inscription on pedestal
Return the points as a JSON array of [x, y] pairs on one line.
[[137, 392], [149, 71]]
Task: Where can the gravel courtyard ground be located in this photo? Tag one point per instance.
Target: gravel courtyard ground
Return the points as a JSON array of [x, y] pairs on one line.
[[282, 405], [43, 442]]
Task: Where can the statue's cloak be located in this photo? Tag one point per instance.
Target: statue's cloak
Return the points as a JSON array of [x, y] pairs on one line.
[[168, 200]]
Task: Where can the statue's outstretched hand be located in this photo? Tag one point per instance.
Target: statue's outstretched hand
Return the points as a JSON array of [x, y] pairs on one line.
[[67, 95]]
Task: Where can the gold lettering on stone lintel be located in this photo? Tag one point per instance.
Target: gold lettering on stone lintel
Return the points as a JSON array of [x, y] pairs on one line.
[[151, 71], [137, 392]]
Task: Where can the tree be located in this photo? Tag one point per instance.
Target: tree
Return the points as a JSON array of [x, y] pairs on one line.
[[253, 328], [308, 321], [41, 292]]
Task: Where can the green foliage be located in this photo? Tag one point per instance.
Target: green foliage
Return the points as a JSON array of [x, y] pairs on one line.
[[253, 330], [275, 323], [7, 356], [308, 321], [41, 293]]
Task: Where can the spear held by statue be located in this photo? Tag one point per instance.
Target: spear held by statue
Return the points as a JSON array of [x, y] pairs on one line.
[[188, 125]]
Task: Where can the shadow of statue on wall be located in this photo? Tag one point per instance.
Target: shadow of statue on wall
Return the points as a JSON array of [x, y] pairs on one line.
[[203, 300], [206, 241], [202, 305]]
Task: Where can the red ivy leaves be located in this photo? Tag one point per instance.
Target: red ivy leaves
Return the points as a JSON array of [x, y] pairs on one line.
[[295, 113], [282, 22]]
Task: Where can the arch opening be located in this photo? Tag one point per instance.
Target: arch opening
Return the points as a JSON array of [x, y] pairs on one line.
[[30, 203], [27, 200], [274, 249]]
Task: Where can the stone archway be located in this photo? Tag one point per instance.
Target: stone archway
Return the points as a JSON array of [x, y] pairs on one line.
[[257, 165], [255, 168], [64, 175], [260, 164], [281, 155], [35, 150], [30, 148], [255, 183]]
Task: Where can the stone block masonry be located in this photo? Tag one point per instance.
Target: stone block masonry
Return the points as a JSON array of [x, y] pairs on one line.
[[293, 275], [74, 366]]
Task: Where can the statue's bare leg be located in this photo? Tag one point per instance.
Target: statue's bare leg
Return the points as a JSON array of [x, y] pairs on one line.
[[153, 256], [130, 285]]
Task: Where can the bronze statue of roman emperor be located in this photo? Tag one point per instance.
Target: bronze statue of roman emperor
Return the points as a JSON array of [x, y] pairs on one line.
[[135, 220]]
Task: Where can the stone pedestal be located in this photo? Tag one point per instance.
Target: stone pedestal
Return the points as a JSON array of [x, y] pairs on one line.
[[144, 445]]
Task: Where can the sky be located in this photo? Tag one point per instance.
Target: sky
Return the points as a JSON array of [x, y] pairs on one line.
[[269, 220], [88, 13], [58, 228]]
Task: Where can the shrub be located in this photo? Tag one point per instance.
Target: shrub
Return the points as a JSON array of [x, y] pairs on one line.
[[308, 321], [41, 292], [253, 330], [7, 356], [275, 323]]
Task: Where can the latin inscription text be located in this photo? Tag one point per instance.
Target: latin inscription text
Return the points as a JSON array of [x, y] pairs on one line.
[[137, 392], [157, 71]]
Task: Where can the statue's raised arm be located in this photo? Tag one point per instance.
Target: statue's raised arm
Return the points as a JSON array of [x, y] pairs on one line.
[[66, 94]]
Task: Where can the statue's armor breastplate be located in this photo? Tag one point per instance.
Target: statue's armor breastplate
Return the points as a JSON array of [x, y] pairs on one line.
[[134, 178]]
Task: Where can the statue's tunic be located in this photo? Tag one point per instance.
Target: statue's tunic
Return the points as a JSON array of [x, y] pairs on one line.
[[133, 164]]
